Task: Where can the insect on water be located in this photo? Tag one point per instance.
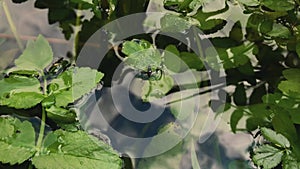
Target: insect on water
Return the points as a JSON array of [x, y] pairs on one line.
[[151, 74]]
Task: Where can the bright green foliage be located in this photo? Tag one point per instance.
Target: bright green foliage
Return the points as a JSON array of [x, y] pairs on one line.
[[275, 138], [291, 86], [60, 149], [267, 156], [74, 83], [279, 31], [235, 118], [17, 141], [37, 55], [20, 92], [76, 150]]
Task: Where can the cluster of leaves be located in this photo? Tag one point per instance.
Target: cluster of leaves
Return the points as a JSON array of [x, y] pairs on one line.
[[261, 60], [29, 84], [65, 13]]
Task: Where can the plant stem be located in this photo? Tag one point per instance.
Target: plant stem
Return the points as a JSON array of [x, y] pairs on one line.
[[12, 25], [43, 120]]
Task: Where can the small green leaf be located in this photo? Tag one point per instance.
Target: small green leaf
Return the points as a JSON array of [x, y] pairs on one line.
[[173, 23], [279, 5], [130, 47], [290, 88], [61, 115], [276, 138], [156, 89], [141, 60], [37, 55], [279, 31], [235, 118], [23, 100], [76, 150], [267, 156]]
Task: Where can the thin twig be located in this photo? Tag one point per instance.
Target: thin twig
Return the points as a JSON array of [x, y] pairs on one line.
[[12, 25]]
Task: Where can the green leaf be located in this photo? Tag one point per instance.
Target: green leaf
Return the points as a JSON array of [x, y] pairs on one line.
[[267, 156], [130, 47], [279, 5], [75, 83], [292, 75], [235, 118], [17, 142], [156, 89], [239, 95], [7, 130], [37, 55], [173, 23], [17, 84], [249, 2], [290, 88], [283, 124], [141, 60], [279, 31], [23, 100], [76, 150], [191, 60], [276, 138], [290, 162], [171, 59], [61, 115]]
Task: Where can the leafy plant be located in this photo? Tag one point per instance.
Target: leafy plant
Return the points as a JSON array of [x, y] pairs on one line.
[[29, 84]]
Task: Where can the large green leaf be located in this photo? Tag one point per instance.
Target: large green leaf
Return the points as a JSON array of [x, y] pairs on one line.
[[17, 141], [279, 5], [276, 138], [37, 55], [76, 150], [267, 156], [17, 84], [23, 100]]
